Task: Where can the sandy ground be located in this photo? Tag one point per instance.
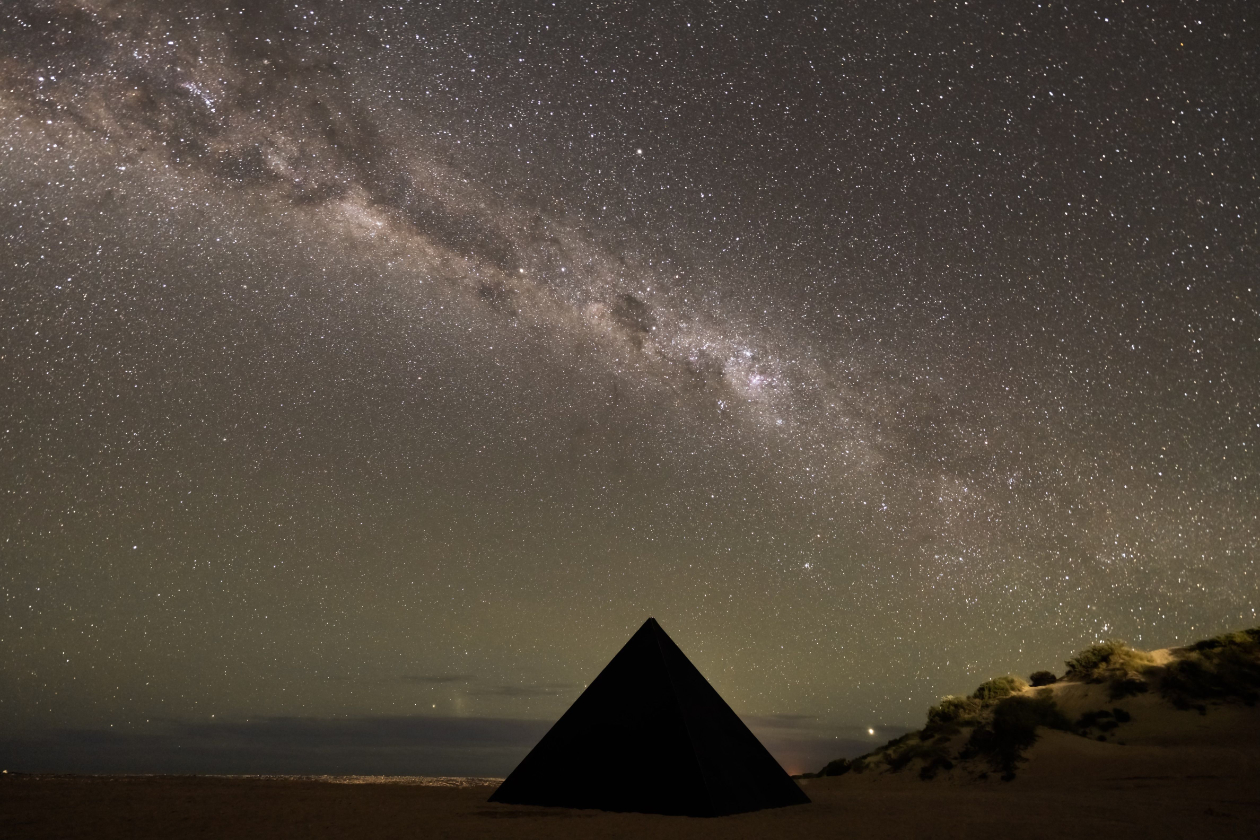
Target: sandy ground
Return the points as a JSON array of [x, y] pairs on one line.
[[1071, 787], [1165, 774]]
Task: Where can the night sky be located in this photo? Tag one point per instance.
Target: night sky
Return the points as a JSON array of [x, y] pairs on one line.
[[366, 362]]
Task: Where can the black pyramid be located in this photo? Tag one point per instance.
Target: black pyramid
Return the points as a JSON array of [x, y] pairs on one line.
[[651, 735]]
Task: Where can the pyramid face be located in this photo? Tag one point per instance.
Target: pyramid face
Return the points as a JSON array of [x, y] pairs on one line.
[[651, 735]]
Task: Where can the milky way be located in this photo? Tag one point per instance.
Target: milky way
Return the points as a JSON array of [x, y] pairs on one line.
[[366, 361]]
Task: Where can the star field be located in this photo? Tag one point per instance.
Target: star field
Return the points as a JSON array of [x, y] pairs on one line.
[[375, 360]]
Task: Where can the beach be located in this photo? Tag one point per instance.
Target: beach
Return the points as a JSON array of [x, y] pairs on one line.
[[1070, 787]]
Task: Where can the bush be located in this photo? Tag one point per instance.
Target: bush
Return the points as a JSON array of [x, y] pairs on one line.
[[836, 768], [955, 710], [1223, 668], [1013, 730], [1096, 661], [898, 741], [1242, 638], [1040, 678], [1101, 720], [1129, 687], [1019, 717], [938, 763], [996, 689], [934, 755]]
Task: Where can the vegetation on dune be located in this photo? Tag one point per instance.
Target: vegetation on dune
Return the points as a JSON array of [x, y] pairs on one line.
[[998, 688], [1216, 669], [1002, 716], [935, 757], [1108, 660], [835, 768], [1123, 668], [1003, 723], [1102, 720], [1241, 640], [1012, 730], [1225, 667], [955, 710]]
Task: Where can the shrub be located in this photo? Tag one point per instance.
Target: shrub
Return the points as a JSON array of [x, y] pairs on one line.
[[1242, 638], [1217, 669], [1122, 688], [1113, 655], [1090, 718], [1101, 720], [932, 754], [1024, 714], [1013, 730], [1040, 678], [938, 763], [996, 689], [836, 768], [898, 741], [953, 709]]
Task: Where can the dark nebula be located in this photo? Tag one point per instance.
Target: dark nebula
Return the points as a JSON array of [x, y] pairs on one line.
[[361, 362]]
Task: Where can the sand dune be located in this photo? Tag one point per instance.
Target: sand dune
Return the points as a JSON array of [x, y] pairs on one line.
[[1195, 699]]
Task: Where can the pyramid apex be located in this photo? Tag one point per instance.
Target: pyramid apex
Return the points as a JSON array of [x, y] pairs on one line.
[[652, 627], [650, 624]]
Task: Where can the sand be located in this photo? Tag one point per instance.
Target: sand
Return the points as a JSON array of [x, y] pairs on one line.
[[1071, 787], [1165, 774]]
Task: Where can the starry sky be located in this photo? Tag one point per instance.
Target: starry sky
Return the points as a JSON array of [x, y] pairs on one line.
[[386, 365]]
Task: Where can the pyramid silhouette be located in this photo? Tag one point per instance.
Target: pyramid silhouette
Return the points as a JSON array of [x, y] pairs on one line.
[[651, 735]]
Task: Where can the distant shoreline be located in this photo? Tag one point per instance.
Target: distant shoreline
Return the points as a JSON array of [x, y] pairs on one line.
[[419, 781]]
